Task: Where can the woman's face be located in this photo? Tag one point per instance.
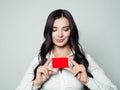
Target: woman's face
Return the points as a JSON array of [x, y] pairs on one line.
[[61, 32]]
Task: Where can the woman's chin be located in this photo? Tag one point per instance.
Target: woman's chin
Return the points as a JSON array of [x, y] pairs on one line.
[[61, 45]]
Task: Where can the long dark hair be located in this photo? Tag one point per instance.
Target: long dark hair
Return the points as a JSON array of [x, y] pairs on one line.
[[79, 55]]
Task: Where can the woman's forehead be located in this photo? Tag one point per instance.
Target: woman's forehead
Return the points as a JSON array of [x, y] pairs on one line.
[[61, 22]]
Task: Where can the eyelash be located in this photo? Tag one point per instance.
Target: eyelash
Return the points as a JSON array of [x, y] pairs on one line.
[[64, 29], [54, 30]]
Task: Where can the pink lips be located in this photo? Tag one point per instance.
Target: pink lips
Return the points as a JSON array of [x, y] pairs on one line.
[[59, 40]]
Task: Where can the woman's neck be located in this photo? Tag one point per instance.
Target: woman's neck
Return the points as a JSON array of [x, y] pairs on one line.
[[61, 51]]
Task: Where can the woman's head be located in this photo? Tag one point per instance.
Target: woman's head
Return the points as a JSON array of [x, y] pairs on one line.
[[61, 32], [67, 33]]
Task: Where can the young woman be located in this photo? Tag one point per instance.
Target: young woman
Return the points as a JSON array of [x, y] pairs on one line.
[[61, 40]]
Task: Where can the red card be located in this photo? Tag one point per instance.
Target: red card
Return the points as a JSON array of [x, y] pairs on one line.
[[59, 62]]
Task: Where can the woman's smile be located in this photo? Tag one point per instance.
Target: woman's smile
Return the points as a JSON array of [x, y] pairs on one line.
[[59, 40]]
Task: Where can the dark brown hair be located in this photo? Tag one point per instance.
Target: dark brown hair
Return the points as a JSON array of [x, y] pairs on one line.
[[79, 55]]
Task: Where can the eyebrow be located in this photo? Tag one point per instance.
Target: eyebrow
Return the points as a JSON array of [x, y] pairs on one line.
[[62, 27]]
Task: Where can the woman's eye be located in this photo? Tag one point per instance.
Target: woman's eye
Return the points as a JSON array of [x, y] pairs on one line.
[[66, 29], [54, 30]]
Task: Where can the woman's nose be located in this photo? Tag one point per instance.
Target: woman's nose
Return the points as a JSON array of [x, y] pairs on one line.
[[60, 34]]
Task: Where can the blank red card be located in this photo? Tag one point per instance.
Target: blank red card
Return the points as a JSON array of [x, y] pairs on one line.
[[59, 62]]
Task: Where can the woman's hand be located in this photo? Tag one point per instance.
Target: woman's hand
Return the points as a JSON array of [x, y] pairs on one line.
[[43, 73], [79, 72]]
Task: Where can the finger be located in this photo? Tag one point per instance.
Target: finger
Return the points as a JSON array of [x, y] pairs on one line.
[[78, 76], [47, 62], [70, 70], [55, 70], [42, 72], [44, 77], [46, 70], [50, 73], [75, 74], [73, 62], [50, 69], [42, 69]]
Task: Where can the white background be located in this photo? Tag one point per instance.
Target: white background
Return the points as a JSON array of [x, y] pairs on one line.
[[21, 34]]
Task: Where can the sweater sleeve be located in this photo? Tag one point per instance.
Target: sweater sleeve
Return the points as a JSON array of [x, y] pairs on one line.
[[26, 83], [99, 81]]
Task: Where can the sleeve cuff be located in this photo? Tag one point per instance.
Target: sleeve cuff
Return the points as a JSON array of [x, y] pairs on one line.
[[35, 88]]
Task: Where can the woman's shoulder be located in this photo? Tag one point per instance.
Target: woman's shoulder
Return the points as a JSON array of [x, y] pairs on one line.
[[92, 63], [34, 62], [88, 57]]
